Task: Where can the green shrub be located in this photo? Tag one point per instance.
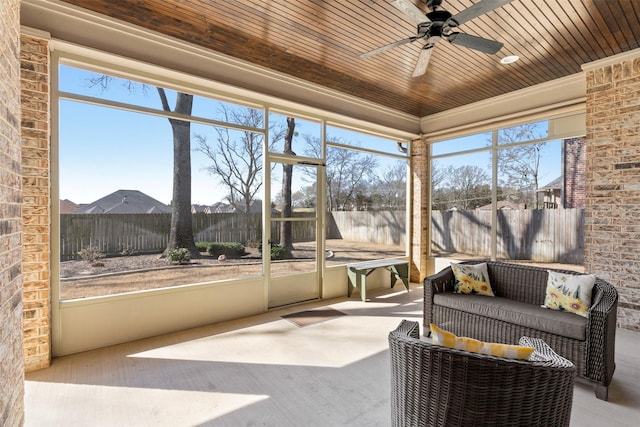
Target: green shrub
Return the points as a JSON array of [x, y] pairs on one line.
[[178, 256], [202, 246], [228, 249], [91, 254], [279, 252]]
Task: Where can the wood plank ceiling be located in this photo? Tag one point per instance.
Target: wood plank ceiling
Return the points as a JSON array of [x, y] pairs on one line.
[[321, 40]]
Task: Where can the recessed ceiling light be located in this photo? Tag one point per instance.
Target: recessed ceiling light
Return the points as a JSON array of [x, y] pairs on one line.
[[509, 59]]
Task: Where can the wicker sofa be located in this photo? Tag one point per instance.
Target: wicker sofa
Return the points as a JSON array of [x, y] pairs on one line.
[[433, 385], [589, 342]]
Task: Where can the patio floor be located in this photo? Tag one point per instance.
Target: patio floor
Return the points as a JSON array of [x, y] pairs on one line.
[[269, 371]]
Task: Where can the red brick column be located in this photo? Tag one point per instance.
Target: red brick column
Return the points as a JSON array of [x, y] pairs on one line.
[[575, 155]]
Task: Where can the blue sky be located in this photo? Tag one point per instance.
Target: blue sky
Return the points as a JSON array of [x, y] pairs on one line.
[[550, 154], [103, 149]]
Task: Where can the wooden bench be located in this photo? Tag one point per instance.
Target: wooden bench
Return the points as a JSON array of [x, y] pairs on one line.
[[359, 271]]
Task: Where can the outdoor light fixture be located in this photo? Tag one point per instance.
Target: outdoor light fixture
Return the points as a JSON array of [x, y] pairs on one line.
[[509, 59]]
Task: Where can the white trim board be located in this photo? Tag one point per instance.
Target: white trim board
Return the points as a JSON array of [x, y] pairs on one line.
[[563, 96]]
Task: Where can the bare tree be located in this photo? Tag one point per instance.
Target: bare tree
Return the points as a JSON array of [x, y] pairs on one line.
[[519, 165], [469, 187], [392, 185], [348, 174], [286, 238], [181, 231], [305, 197], [236, 157], [439, 194], [438, 174]]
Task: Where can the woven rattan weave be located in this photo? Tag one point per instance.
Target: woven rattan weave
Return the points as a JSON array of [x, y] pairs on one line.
[[437, 386], [592, 356]]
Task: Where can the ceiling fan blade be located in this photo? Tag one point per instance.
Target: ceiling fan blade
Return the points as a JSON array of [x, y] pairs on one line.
[[423, 61], [475, 42], [387, 47], [411, 10], [480, 8]]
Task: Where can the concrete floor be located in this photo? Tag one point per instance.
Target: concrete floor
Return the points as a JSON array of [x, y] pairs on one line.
[[267, 371]]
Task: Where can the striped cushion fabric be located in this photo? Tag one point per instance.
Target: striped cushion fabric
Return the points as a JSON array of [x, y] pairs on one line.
[[447, 339]]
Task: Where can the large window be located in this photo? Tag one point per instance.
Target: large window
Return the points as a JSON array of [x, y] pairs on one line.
[[366, 196], [461, 204], [132, 154], [126, 150], [505, 194]]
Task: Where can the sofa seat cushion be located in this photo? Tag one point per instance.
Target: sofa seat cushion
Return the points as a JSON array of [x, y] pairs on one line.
[[533, 316]]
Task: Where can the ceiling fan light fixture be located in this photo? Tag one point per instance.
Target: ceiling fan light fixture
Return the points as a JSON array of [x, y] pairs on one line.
[[509, 59]]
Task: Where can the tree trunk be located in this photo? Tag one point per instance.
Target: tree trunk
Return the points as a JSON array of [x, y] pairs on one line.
[[286, 238], [181, 233]]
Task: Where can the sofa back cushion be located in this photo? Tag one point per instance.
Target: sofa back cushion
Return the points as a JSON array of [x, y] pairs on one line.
[[569, 292], [518, 282], [472, 279]]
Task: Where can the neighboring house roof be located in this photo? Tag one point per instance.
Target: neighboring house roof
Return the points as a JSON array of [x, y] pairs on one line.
[[556, 184], [199, 208], [220, 207], [125, 202], [67, 206], [256, 206]]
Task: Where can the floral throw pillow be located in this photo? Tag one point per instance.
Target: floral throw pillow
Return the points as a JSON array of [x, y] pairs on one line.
[[472, 279], [569, 292], [447, 339]]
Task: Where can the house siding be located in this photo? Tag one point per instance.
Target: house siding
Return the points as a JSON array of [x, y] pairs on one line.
[[612, 213], [12, 367], [36, 203]]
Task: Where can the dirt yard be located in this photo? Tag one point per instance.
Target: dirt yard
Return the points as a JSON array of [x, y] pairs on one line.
[[78, 279]]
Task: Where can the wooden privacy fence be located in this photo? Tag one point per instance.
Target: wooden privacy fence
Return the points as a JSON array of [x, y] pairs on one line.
[[544, 235], [541, 235], [384, 227], [115, 233]]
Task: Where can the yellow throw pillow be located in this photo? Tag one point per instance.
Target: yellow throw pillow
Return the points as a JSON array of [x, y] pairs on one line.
[[450, 340], [569, 292], [472, 279]]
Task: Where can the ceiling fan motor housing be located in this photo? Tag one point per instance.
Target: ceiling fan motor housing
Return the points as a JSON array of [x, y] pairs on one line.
[[432, 4], [437, 26]]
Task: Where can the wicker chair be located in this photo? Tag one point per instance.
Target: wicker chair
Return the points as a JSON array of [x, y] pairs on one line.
[[437, 386]]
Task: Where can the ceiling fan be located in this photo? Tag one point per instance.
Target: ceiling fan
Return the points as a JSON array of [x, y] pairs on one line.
[[440, 24]]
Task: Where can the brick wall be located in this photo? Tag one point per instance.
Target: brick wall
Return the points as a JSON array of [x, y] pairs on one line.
[[34, 76], [420, 219], [612, 213], [575, 157], [11, 366]]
